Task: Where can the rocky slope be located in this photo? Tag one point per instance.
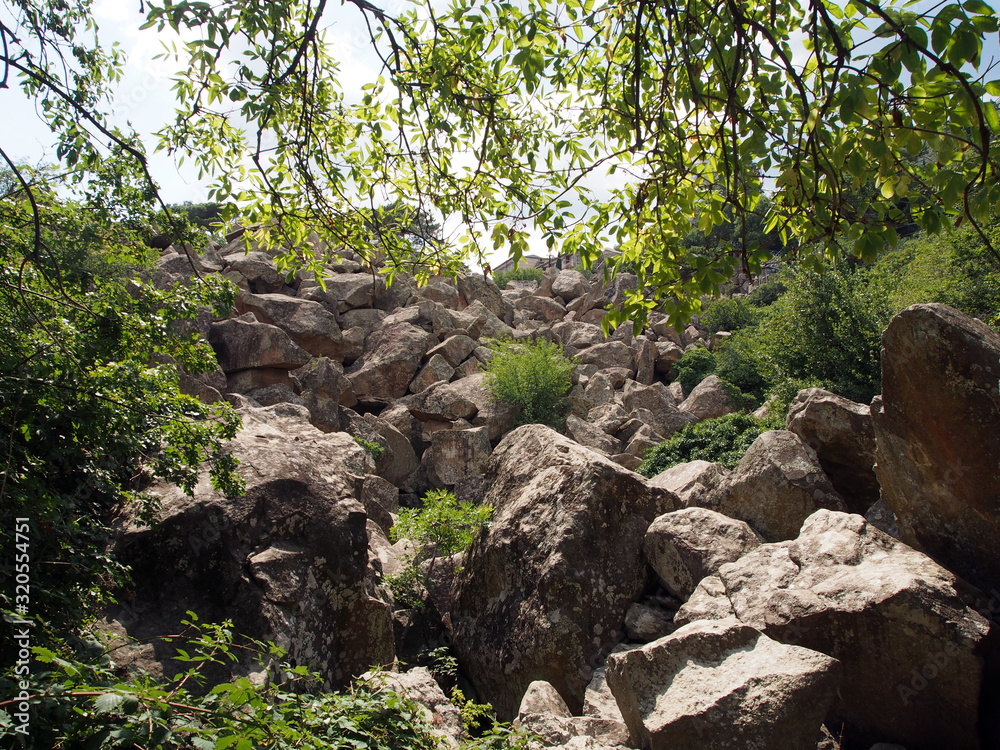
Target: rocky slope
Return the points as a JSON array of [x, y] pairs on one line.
[[772, 606]]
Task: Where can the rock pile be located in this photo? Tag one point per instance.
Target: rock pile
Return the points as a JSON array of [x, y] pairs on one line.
[[761, 607]]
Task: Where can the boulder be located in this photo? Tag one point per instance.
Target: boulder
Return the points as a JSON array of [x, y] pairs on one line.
[[776, 485], [609, 354], [545, 587], [708, 400], [467, 398], [667, 355], [689, 544], [288, 561], [582, 335], [480, 322], [456, 455], [391, 359], [936, 429], [309, 324], [474, 288], [419, 685], [345, 291], [843, 436], [454, 349], [720, 685], [259, 271], [541, 308], [436, 370], [441, 292], [544, 715], [569, 285], [591, 436], [645, 361], [243, 343], [645, 622], [403, 461], [911, 646], [324, 378], [693, 482]]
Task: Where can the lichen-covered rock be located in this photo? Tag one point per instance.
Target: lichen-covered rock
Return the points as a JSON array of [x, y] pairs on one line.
[[243, 344], [708, 400], [456, 455], [544, 715], [609, 354], [468, 398], [693, 482], [591, 436], [309, 324], [544, 589], [688, 544], [720, 685], [936, 427], [912, 648], [345, 291], [436, 370], [391, 359], [776, 485], [843, 436], [287, 562]]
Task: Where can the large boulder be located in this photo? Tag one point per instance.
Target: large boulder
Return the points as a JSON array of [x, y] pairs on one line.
[[473, 288], [468, 398], [287, 561], [544, 590], [457, 455], [610, 354], [693, 482], [391, 359], [689, 544], [842, 434], [720, 685], [341, 292], [912, 648], [243, 344], [569, 285], [708, 400], [936, 428], [309, 324], [776, 485]]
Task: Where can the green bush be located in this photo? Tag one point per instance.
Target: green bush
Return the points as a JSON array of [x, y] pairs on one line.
[[723, 440], [375, 450], [517, 274], [534, 375], [693, 367], [767, 293], [441, 527], [729, 314]]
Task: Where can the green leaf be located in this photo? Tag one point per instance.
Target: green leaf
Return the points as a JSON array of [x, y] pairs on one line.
[[108, 702]]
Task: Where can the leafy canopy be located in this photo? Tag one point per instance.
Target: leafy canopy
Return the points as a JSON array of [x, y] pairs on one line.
[[502, 118]]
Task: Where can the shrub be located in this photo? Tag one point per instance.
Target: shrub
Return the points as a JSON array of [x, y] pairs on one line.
[[723, 440], [442, 527], [517, 274], [767, 293], [729, 314], [534, 375], [693, 367], [376, 450]]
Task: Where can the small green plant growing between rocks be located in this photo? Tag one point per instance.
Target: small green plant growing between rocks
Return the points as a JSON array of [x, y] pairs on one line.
[[375, 449], [442, 527], [534, 375]]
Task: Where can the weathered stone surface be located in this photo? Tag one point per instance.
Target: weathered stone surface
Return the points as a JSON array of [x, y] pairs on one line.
[[368, 319], [591, 436], [243, 343], [607, 418], [645, 623], [544, 714], [467, 398], [542, 698], [776, 485], [436, 370], [455, 349], [642, 440], [346, 291], [541, 308], [288, 561], [275, 394], [569, 285], [667, 355], [582, 335], [403, 461], [439, 291], [937, 428], [842, 434], [245, 381], [480, 322], [456, 455], [325, 378], [419, 686], [686, 545], [544, 590], [645, 361], [309, 324], [474, 288], [259, 271], [720, 685], [708, 400], [391, 359], [614, 291], [380, 499], [899, 622], [609, 354], [693, 482]]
